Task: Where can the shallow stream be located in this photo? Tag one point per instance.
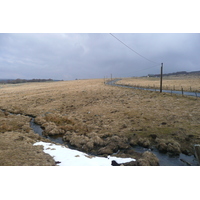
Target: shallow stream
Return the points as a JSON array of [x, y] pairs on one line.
[[37, 129], [164, 159]]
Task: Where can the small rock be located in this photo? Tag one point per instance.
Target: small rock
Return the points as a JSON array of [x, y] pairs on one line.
[[114, 163]]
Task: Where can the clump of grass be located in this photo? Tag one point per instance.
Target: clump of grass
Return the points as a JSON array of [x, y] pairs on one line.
[[58, 119], [169, 145], [5, 127], [52, 129], [148, 159], [55, 123], [14, 123]]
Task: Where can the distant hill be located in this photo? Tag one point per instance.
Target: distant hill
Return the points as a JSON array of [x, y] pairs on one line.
[[15, 81], [181, 73], [1, 80]]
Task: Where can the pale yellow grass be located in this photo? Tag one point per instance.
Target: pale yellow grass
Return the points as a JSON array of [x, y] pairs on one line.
[[174, 83], [89, 106], [16, 149], [100, 107], [16, 143]]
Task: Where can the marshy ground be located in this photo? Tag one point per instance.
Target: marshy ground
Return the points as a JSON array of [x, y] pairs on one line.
[[95, 118]]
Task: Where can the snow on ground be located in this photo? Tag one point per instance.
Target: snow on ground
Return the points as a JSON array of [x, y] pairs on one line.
[[69, 157]]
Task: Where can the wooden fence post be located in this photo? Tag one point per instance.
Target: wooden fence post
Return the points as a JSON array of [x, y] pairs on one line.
[[161, 77], [196, 94]]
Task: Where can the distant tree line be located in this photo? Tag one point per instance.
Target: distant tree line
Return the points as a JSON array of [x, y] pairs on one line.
[[176, 74], [9, 81]]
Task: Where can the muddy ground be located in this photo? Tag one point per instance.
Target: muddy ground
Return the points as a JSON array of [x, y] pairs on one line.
[[95, 118]]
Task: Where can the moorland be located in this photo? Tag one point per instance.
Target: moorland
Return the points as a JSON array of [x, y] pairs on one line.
[[97, 118]]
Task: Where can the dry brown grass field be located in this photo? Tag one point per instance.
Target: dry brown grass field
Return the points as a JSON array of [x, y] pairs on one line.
[[188, 83], [95, 118]]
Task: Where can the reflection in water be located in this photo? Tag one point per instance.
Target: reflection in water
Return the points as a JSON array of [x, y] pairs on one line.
[[166, 159]]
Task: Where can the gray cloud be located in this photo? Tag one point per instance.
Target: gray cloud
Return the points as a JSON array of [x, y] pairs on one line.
[[70, 56]]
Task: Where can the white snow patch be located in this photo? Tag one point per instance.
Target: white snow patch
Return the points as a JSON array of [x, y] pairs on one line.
[[69, 157]]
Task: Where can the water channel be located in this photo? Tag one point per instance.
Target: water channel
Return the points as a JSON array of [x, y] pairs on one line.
[[38, 130], [164, 159], [113, 83]]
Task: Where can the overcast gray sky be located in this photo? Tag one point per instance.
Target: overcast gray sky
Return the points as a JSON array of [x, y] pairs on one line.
[[84, 56]]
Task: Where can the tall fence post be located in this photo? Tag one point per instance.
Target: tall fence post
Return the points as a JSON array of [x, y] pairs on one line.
[[161, 75], [196, 94]]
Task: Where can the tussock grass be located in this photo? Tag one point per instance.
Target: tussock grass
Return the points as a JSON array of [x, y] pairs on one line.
[[14, 123], [16, 149], [85, 107]]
